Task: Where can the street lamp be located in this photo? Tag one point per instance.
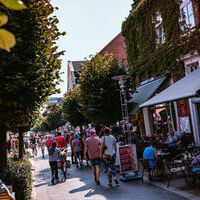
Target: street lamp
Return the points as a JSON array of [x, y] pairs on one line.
[[124, 105]]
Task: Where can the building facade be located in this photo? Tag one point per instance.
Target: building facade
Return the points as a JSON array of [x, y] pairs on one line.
[[162, 39], [73, 71], [116, 47]]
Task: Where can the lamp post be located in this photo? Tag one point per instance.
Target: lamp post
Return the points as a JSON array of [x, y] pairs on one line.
[[124, 105]]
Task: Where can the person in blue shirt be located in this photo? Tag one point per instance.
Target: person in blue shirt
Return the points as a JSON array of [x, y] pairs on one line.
[[150, 153]]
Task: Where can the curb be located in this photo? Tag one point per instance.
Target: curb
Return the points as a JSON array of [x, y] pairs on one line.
[[173, 189], [33, 196]]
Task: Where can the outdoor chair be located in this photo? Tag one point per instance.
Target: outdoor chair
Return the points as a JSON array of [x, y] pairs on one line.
[[151, 170], [173, 169]]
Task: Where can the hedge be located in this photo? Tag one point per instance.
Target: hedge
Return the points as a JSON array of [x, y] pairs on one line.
[[18, 174]]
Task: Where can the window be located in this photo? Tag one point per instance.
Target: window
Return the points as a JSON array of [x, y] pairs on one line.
[[159, 30], [76, 74], [160, 35], [187, 14], [192, 67]]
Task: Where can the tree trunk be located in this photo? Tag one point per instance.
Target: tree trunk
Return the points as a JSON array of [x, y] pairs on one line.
[[81, 128], [3, 149], [21, 144]]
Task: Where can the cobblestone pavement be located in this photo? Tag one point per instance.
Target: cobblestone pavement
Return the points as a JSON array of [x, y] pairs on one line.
[[80, 186]]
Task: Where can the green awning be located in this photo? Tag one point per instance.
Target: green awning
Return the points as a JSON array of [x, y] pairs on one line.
[[144, 92], [187, 87]]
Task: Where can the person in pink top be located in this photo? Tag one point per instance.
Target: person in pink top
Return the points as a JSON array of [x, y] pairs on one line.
[[60, 140], [76, 146], [92, 144]]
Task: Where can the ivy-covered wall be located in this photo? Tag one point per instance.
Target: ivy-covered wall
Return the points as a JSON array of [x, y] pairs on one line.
[[140, 38]]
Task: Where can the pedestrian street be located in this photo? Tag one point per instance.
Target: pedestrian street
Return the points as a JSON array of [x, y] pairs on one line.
[[80, 185]]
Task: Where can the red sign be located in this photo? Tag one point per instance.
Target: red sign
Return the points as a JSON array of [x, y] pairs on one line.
[[128, 158]]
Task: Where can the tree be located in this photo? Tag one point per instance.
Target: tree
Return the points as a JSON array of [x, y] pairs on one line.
[[99, 93], [135, 3], [72, 109], [30, 72], [53, 119], [7, 39]]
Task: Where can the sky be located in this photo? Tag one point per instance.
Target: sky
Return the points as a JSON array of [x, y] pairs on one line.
[[90, 25]]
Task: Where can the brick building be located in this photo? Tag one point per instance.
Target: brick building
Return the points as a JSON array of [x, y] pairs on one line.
[[116, 47], [151, 97]]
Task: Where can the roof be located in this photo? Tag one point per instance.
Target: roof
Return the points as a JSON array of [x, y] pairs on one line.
[[144, 92], [187, 87], [77, 65], [116, 47]]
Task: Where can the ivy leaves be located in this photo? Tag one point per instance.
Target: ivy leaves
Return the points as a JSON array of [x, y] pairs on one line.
[[7, 39]]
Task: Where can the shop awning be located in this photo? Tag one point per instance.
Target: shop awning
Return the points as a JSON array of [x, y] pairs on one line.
[[144, 92], [187, 87]]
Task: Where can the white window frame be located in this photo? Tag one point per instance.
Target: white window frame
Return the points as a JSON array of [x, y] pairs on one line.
[[184, 4], [158, 25], [190, 67]]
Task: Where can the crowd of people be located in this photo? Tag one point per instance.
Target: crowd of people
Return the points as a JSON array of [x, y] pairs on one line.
[[89, 147], [85, 146]]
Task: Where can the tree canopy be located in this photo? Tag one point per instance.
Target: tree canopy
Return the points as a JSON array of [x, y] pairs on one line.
[[30, 71], [72, 109], [53, 119], [99, 93]]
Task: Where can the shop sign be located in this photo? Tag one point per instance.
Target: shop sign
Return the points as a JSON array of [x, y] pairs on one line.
[[128, 158]]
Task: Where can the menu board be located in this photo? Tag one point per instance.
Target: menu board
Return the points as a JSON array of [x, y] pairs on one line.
[[128, 158]]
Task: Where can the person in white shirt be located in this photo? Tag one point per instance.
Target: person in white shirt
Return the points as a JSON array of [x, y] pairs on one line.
[[108, 153]]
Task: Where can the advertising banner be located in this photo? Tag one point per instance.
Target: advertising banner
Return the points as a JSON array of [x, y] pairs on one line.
[[128, 158]]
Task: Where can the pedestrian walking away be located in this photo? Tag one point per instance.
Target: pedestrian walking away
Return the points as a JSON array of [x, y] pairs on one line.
[[61, 141], [108, 153], [49, 142], [72, 136], [53, 159], [33, 145], [92, 144], [76, 146], [42, 145]]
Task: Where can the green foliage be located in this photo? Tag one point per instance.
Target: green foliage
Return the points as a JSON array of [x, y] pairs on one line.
[[53, 119], [7, 39], [13, 4], [18, 174], [30, 72], [72, 109], [144, 56], [99, 93], [135, 3]]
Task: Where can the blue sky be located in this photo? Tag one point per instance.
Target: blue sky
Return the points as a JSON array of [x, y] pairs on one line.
[[90, 25]]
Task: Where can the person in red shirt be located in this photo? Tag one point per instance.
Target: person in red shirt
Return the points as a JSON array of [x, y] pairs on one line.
[[60, 140], [49, 141]]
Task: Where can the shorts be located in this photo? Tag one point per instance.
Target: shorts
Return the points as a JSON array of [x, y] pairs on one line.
[[95, 161]]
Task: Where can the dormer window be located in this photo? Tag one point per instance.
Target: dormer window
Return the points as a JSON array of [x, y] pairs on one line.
[[187, 14]]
